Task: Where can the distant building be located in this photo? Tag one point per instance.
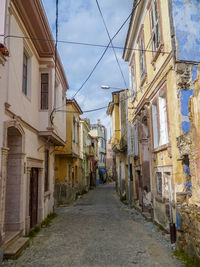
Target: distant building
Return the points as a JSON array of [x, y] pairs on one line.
[[84, 151], [110, 161], [99, 131], [68, 163]]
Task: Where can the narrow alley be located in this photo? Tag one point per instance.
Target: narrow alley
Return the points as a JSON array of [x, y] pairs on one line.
[[97, 230]]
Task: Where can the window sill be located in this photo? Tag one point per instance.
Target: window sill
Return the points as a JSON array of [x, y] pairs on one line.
[[158, 52], [161, 148], [27, 97], [43, 110]]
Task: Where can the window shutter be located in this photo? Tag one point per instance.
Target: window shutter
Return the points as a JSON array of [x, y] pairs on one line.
[[130, 83], [155, 125], [163, 121]]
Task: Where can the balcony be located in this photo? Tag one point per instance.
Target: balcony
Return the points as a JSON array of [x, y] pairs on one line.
[[52, 137]]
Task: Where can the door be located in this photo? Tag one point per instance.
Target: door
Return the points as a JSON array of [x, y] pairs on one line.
[[33, 202]]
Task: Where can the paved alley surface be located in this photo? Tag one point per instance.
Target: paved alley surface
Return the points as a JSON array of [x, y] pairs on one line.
[[98, 230]]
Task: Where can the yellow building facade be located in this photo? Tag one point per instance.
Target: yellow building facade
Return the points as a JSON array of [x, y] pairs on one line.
[[118, 112], [155, 111], [68, 163]]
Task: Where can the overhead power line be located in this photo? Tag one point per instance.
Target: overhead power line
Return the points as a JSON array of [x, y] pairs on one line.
[[80, 43], [106, 49], [124, 99], [120, 69]]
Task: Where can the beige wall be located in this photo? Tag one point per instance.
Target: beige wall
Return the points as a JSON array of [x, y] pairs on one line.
[[23, 112]]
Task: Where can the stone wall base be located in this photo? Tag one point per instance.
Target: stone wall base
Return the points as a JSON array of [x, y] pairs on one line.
[[65, 194], [188, 236]]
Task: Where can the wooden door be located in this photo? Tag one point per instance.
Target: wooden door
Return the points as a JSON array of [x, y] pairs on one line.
[[33, 202]]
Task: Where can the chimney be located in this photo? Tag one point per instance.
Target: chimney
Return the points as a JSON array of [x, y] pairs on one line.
[[99, 121]]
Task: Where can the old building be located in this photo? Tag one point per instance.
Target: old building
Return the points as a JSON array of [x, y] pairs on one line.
[[68, 162], [164, 56], [99, 131], [117, 109], [84, 151], [110, 162], [93, 152], [28, 124]]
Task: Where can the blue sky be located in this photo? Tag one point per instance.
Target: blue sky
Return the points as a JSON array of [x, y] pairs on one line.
[[80, 21]]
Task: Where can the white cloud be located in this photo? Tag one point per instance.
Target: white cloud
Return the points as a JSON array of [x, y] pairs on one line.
[[80, 21]]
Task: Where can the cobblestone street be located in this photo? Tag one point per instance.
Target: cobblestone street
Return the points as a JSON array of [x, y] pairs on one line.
[[98, 230]]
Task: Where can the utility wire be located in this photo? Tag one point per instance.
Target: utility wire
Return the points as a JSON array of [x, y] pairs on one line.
[[120, 69], [124, 99], [80, 43], [106, 49]]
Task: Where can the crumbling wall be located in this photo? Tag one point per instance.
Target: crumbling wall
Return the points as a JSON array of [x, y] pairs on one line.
[[188, 233], [188, 201]]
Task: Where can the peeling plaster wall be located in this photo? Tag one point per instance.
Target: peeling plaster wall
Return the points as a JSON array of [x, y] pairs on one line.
[[185, 98], [186, 18]]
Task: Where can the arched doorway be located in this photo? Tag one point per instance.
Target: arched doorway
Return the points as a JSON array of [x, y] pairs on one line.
[[13, 203]]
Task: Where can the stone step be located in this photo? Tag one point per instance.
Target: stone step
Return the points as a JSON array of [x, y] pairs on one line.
[[14, 250], [11, 237]]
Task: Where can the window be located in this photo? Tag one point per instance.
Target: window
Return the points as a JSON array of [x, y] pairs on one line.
[[136, 144], [46, 178], [155, 124], [163, 120], [163, 183], [132, 80], [159, 183], [159, 117], [73, 129], [155, 26], [142, 58], [77, 137], [44, 90], [25, 74]]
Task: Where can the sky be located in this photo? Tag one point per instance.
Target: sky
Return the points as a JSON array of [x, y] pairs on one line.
[[80, 21]]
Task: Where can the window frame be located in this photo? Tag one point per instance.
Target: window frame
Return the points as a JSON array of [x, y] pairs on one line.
[[142, 57], [161, 92], [25, 76], [159, 49], [133, 80], [42, 107]]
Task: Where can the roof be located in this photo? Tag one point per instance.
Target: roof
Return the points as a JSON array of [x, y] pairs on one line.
[[74, 103], [34, 18]]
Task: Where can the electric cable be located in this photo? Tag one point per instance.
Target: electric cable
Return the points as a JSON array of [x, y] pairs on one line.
[[120, 69], [132, 95], [80, 43], [106, 49]]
